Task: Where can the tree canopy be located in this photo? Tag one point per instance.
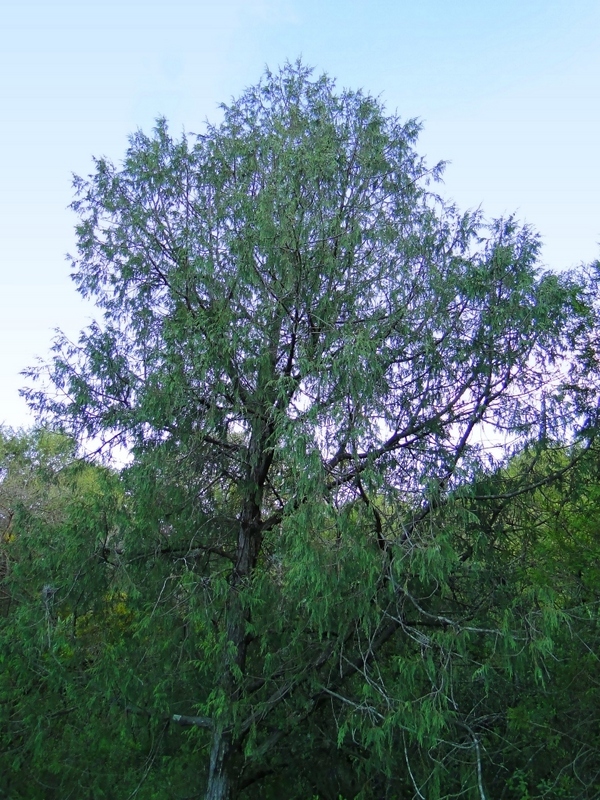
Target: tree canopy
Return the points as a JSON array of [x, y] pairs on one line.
[[316, 577]]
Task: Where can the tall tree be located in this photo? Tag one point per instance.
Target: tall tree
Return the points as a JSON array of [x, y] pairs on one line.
[[304, 347]]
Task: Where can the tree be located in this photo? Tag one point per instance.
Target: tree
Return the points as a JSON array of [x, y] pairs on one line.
[[57, 613], [550, 720], [303, 348]]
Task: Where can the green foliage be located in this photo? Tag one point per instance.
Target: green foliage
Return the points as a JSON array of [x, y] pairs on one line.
[[312, 578], [71, 629]]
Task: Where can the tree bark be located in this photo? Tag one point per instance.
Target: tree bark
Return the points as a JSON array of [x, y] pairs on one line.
[[222, 779], [219, 785]]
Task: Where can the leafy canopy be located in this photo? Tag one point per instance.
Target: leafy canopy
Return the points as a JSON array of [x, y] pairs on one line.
[[304, 347]]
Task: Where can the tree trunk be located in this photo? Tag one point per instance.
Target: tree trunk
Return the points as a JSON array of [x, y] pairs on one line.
[[219, 782]]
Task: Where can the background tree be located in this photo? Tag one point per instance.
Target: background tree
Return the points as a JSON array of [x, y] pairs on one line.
[[303, 348], [548, 716], [59, 613]]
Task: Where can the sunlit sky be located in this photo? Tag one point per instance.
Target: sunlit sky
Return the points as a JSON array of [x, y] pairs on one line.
[[508, 92]]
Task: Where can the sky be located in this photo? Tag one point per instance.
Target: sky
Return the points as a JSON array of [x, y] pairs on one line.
[[508, 93]]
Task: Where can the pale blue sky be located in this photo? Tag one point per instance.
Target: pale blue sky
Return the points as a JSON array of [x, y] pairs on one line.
[[508, 91]]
